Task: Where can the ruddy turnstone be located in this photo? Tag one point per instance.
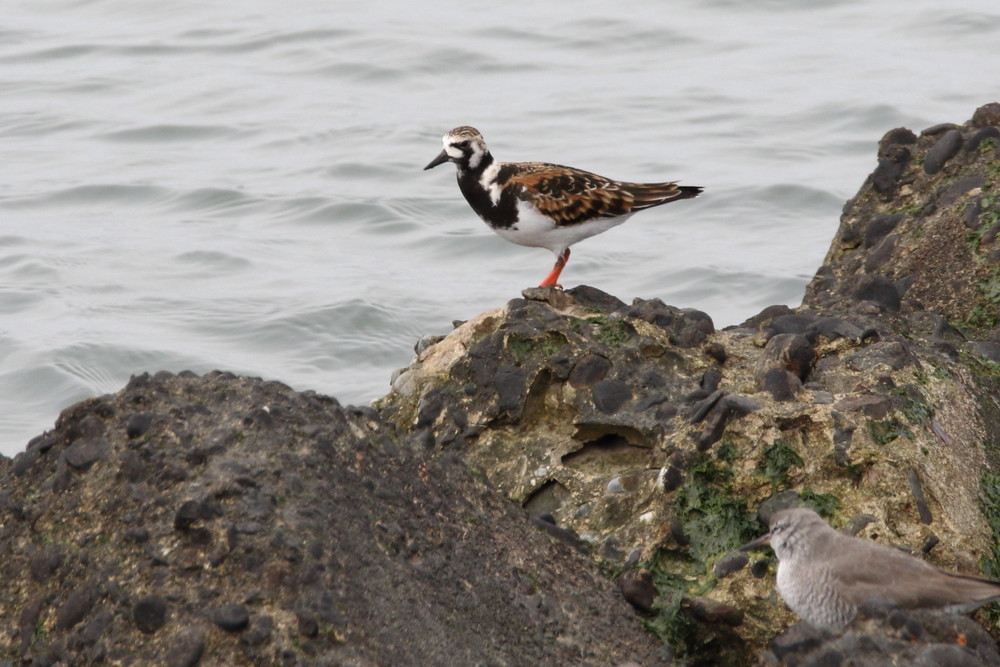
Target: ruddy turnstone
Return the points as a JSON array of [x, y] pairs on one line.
[[546, 205]]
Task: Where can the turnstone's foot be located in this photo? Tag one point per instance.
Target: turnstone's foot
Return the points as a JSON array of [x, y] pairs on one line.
[[546, 205]]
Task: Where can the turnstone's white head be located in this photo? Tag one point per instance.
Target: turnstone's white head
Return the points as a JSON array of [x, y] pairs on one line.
[[464, 146]]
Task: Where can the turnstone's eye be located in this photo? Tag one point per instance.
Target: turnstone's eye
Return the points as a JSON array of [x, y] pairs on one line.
[[463, 144]]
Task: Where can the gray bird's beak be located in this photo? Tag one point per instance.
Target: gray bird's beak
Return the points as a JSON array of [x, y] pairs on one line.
[[759, 542], [440, 159]]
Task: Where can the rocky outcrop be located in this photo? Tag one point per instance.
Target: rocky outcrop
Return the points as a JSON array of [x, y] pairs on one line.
[[228, 519], [223, 520], [921, 235], [656, 439]]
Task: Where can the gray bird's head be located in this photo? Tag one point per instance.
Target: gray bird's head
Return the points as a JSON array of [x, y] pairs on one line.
[[464, 146], [794, 533]]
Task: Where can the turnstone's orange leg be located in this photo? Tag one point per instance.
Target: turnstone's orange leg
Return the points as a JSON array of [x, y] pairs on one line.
[[552, 279]]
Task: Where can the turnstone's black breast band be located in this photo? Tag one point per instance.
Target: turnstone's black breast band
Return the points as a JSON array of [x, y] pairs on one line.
[[546, 205]]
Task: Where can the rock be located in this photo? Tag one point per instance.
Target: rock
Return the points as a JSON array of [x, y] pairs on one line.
[[781, 384], [878, 289], [44, 562], [940, 128], [732, 562], [611, 395], [231, 617], [637, 588], [914, 638], [595, 299], [946, 148], [987, 349], [880, 225], [249, 522], [717, 352], [976, 139], [259, 631], [790, 352], [138, 425], [187, 648], [470, 515], [708, 610], [187, 514], [589, 370], [85, 452], [988, 114], [76, 607], [150, 613]]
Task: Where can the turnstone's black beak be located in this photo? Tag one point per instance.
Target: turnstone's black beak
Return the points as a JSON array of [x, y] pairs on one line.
[[759, 542], [440, 159]]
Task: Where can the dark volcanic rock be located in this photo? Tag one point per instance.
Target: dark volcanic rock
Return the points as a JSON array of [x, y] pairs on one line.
[[150, 613], [886, 637], [314, 513], [943, 150], [231, 617]]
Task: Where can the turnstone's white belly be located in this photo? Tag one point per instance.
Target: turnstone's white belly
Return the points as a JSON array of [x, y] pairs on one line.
[[540, 231]]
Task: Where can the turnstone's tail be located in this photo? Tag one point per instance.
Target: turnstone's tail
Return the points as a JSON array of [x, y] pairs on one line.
[[648, 195]]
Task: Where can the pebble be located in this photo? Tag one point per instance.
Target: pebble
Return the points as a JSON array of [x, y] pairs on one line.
[[85, 452], [781, 384], [888, 171], [138, 425], [150, 613], [76, 607], [713, 611], [734, 561], [595, 299], [231, 617], [940, 128], [610, 395], [188, 648], [637, 588], [717, 352], [800, 638], [259, 631], [880, 225], [589, 370], [979, 136], [943, 150], [791, 352], [878, 289], [187, 514], [913, 479], [43, 563], [759, 568]]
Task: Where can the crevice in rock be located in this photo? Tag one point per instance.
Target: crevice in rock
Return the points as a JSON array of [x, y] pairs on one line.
[[610, 453]]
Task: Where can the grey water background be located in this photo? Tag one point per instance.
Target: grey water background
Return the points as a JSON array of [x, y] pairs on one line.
[[192, 185]]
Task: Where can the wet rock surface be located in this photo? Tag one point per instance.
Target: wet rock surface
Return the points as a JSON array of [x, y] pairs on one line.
[[464, 517], [245, 523], [883, 637]]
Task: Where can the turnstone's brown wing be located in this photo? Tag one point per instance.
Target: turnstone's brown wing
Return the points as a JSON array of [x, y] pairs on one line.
[[572, 196]]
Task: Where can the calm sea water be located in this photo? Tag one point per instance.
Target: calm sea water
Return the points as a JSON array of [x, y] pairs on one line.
[[191, 186]]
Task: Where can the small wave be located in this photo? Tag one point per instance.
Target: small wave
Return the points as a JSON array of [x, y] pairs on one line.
[[90, 194], [170, 133]]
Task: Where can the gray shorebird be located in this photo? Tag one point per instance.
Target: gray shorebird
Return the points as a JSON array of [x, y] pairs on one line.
[[546, 205], [824, 575]]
